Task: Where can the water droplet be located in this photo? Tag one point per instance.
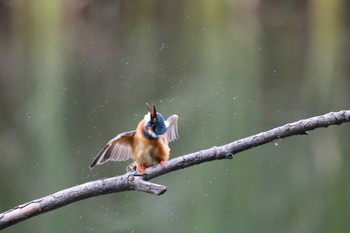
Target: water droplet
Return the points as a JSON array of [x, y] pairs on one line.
[[162, 47]]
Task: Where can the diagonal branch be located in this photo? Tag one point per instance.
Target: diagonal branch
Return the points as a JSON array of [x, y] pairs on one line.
[[134, 181]]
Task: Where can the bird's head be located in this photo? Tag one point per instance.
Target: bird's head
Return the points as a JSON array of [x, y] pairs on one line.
[[155, 124]]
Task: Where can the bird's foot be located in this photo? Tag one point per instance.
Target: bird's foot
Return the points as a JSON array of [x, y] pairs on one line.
[[142, 170], [161, 163]]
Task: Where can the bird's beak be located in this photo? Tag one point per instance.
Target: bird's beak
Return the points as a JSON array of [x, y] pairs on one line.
[[153, 112]]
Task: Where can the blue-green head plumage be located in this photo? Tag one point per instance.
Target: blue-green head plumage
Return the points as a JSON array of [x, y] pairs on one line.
[[159, 127], [155, 124]]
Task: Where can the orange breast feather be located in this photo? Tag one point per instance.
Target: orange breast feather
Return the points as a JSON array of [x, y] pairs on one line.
[[148, 152]]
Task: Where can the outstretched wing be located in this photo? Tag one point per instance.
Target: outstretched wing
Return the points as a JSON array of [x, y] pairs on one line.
[[117, 149], [171, 124]]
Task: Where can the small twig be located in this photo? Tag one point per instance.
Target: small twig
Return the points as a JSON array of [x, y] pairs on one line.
[[133, 181]]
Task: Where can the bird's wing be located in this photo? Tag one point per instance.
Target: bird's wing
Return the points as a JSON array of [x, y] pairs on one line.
[[171, 124], [117, 149]]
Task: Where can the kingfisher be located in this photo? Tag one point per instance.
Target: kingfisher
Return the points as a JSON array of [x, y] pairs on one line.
[[147, 145]]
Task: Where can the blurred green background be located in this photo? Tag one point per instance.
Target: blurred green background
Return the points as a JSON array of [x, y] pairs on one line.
[[73, 74]]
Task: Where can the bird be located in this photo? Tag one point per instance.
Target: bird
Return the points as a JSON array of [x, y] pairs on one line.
[[147, 145]]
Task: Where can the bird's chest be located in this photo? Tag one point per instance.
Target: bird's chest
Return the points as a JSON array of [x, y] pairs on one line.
[[149, 153]]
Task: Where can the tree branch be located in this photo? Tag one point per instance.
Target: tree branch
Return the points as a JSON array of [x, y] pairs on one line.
[[134, 181]]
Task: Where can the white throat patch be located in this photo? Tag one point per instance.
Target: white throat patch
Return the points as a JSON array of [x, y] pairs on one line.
[[152, 133]]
